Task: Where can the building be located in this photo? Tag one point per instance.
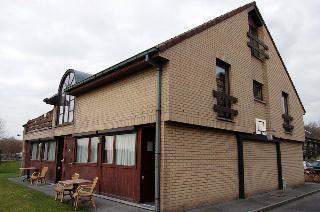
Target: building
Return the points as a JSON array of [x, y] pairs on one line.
[[207, 116], [311, 147]]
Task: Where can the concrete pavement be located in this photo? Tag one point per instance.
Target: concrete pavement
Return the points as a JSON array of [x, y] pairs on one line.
[[308, 203], [263, 202]]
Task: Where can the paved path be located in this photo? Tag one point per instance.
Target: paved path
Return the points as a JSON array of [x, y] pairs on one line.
[[309, 203], [102, 204], [261, 200]]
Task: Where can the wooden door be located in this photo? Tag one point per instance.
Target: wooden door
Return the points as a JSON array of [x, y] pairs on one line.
[[147, 164], [59, 158]]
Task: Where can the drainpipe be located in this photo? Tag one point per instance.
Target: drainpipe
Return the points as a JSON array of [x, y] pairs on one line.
[[158, 132]]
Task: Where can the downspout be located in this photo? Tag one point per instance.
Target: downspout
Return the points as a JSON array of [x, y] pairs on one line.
[[242, 194], [158, 132]]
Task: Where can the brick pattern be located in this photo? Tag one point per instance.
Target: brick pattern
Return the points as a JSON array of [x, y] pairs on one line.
[[192, 79], [127, 102], [279, 81], [260, 167], [291, 158], [198, 166], [46, 133]]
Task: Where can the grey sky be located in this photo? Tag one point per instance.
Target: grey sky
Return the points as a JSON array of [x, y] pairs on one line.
[[40, 40]]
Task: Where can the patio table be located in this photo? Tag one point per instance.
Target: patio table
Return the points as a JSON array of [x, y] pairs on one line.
[[28, 169], [75, 183]]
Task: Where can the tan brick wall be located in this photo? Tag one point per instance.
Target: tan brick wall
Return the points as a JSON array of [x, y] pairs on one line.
[[126, 102], [192, 79], [291, 158], [64, 130], [38, 134], [260, 167], [198, 166], [278, 81]]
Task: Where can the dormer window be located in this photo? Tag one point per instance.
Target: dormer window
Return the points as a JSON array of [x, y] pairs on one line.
[[66, 102], [258, 48]]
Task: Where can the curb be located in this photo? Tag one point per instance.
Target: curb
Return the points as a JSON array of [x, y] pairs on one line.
[[275, 205]]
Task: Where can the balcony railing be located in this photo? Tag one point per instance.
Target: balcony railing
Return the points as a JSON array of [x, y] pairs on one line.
[[287, 120], [41, 122], [224, 105], [258, 48]]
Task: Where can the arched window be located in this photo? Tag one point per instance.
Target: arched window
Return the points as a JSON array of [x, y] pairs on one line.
[[66, 102]]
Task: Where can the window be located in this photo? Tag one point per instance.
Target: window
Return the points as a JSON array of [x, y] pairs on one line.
[[35, 151], [222, 80], [120, 149], [253, 30], [49, 150], [125, 149], [82, 150], [39, 151], [66, 102], [222, 77], [285, 107], [45, 151], [94, 150], [257, 90], [52, 150], [108, 149], [257, 46], [87, 150]]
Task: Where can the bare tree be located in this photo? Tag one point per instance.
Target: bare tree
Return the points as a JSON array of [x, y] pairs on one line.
[[10, 145], [313, 129]]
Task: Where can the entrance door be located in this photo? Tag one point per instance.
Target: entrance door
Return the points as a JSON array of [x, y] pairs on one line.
[[60, 145], [147, 164]]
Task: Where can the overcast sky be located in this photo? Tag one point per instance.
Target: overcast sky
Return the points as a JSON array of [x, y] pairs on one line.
[[40, 40]]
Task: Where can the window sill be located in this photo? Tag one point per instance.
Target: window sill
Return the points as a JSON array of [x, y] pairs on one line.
[[260, 101], [65, 124], [49, 161], [118, 166], [225, 119], [86, 164]]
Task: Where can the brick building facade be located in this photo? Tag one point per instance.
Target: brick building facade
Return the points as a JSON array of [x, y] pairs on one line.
[[231, 121]]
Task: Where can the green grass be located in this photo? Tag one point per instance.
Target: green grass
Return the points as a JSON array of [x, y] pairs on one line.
[[15, 197]]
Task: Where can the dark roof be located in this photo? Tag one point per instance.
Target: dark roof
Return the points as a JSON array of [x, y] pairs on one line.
[[79, 77], [112, 69], [177, 39]]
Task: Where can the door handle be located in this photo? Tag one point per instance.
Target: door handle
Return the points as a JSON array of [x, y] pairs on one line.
[[142, 177]]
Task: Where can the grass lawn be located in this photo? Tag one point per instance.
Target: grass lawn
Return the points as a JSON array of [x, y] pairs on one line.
[[14, 197]]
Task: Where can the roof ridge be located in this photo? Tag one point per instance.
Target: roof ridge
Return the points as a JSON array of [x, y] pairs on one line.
[[189, 33]]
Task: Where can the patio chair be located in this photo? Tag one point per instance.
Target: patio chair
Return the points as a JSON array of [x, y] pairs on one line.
[[85, 192], [39, 176], [61, 188]]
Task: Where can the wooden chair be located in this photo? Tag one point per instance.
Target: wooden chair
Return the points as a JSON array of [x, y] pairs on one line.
[[85, 192], [61, 188], [39, 176]]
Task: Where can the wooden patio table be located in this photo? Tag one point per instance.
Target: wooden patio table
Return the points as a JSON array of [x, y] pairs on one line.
[[28, 169], [75, 183]]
